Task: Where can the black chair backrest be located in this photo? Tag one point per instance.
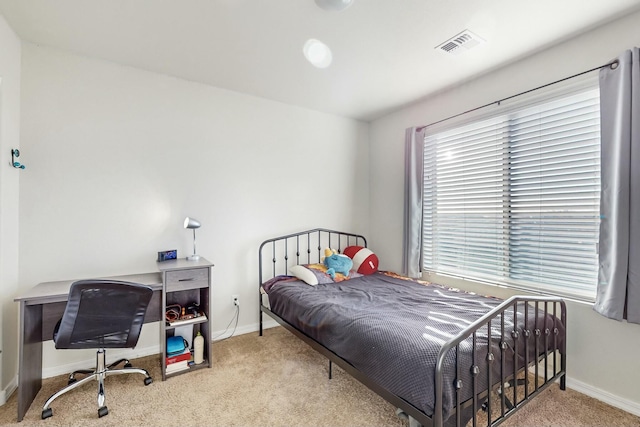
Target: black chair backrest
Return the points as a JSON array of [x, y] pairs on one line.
[[103, 314]]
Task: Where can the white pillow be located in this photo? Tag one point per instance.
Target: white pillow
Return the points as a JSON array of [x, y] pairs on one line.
[[304, 274]]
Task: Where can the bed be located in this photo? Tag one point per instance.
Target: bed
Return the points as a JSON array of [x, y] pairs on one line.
[[443, 357]]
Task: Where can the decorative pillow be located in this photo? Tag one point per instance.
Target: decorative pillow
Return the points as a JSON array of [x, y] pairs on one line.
[[364, 260], [316, 274]]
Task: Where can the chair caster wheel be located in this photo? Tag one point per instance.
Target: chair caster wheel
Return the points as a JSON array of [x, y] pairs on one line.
[[102, 412], [148, 380], [47, 413]]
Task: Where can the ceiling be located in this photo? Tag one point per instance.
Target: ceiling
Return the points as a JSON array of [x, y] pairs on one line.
[[383, 50]]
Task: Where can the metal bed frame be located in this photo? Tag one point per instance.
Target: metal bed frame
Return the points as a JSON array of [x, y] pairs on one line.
[[289, 250]]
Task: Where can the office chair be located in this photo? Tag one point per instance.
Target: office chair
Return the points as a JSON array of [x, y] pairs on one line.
[[101, 314]]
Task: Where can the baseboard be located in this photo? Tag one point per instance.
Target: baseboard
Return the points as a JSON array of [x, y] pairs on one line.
[[604, 396], [113, 354], [247, 329], [595, 392], [8, 390]]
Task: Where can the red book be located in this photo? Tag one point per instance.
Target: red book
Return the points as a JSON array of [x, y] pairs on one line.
[[180, 357]]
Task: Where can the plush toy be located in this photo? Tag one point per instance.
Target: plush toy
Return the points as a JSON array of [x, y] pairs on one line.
[[364, 261], [336, 263]]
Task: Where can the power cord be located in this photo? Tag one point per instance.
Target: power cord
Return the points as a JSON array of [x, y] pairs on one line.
[[237, 316]]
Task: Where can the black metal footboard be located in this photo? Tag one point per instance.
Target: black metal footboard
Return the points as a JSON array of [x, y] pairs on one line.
[[517, 337], [499, 362]]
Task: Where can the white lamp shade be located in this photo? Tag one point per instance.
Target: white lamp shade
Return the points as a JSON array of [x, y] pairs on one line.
[[191, 223]]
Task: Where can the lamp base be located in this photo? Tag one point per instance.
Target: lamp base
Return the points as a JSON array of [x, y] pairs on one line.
[[193, 257]]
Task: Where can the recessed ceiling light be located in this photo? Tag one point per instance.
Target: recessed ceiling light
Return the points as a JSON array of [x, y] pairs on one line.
[[317, 53], [336, 5]]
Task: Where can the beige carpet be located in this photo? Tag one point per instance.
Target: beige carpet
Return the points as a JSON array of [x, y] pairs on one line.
[[275, 380]]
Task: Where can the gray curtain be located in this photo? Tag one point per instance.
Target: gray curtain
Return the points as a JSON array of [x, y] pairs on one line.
[[413, 167], [618, 295]]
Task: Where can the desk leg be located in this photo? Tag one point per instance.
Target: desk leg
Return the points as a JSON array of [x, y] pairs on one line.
[[30, 354]]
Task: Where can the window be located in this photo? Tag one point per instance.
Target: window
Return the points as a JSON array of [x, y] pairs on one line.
[[515, 199]]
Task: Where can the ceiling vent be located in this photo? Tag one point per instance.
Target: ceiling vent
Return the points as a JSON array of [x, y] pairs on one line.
[[460, 43]]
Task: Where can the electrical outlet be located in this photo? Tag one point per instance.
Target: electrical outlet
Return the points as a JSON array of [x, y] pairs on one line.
[[236, 300]]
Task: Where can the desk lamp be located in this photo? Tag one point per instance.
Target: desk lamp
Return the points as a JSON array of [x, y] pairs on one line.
[[193, 224]]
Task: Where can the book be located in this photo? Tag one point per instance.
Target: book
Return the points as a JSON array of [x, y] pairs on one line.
[[186, 355], [177, 366]]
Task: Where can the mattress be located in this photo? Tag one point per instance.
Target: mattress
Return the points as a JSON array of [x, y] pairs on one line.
[[392, 328]]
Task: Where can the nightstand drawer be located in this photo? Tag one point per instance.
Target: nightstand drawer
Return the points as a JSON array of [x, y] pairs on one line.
[[187, 279]]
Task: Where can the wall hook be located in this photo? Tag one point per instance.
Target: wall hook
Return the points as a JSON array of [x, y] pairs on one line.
[[15, 153]]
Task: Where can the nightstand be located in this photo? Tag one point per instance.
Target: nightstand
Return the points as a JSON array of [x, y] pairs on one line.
[[186, 284]]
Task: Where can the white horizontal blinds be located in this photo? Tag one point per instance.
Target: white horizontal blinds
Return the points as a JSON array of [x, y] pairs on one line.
[[515, 199], [555, 193], [464, 212]]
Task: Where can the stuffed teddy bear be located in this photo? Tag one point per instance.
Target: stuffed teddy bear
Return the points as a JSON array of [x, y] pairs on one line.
[[336, 263]]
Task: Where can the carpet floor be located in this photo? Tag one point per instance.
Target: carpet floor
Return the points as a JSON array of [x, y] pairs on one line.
[[274, 380]]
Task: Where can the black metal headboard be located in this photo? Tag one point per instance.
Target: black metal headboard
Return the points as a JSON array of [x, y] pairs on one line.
[[305, 247]]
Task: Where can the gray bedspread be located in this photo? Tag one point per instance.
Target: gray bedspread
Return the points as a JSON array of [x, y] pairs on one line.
[[392, 330]]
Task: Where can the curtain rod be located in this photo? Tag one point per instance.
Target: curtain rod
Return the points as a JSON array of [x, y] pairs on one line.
[[612, 64]]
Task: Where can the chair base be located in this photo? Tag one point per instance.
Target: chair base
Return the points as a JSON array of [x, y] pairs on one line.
[[99, 373]]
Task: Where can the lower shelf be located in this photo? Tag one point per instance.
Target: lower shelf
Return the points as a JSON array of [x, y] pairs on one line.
[[191, 368]]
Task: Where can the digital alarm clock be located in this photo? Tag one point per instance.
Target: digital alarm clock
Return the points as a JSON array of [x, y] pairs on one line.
[[167, 255]]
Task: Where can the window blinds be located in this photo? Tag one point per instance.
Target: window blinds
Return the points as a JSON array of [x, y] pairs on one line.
[[515, 199]]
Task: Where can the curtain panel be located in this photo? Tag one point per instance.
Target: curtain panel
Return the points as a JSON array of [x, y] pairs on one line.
[[412, 233], [618, 291]]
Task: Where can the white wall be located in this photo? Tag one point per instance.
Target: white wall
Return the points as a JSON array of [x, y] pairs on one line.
[[117, 157], [602, 353], [9, 181]]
